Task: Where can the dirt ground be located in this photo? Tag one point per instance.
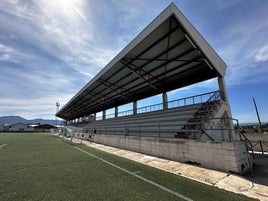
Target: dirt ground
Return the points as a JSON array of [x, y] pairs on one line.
[[257, 137]]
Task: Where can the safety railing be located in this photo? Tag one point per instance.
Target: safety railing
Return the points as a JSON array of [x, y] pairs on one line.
[[150, 108], [191, 131], [243, 137], [208, 106], [260, 146], [191, 100], [125, 113]]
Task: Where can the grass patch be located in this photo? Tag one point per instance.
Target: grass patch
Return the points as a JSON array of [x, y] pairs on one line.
[[42, 167], [192, 189]]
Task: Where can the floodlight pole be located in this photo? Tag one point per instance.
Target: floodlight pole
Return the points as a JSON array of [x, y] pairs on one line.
[[257, 114], [57, 109]]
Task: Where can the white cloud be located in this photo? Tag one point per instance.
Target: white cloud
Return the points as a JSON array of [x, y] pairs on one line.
[[52, 48], [8, 53], [5, 48], [57, 27], [44, 107], [4, 57], [242, 46], [5, 52], [262, 54]]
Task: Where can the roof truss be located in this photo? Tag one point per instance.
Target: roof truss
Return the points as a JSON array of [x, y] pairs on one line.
[[168, 54]]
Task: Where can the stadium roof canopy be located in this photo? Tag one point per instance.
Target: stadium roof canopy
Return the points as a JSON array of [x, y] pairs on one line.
[[168, 54]]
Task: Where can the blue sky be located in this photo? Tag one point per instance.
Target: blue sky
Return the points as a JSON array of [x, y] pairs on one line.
[[49, 49]]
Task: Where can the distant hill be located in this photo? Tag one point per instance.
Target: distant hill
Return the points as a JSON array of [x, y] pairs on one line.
[[18, 119], [253, 124]]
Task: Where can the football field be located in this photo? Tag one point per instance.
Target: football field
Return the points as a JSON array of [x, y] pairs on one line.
[[43, 167]]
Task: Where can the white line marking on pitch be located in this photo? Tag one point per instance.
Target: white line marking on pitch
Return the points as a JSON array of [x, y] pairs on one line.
[[3, 145], [138, 176]]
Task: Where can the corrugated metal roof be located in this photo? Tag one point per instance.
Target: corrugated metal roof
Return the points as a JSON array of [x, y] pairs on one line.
[[168, 54]]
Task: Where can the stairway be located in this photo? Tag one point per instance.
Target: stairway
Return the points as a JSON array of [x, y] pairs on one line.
[[195, 125]]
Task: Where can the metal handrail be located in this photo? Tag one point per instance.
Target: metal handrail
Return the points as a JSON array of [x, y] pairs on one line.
[[262, 144], [142, 129], [210, 103], [191, 100], [248, 142], [243, 137]]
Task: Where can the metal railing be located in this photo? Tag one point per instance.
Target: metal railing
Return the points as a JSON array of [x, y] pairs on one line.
[[260, 146], [150, 108], [192, 130], [208, 106], [244, 138], [191, 100]]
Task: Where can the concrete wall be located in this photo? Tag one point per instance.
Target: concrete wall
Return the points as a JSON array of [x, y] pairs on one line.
[[224, 156]]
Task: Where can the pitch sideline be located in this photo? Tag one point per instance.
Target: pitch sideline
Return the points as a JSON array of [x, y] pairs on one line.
[[138, 176]]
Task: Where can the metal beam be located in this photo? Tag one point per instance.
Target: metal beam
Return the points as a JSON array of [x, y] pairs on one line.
[[115, 88], [179, 60], [148, 77], [168, 43], [156, 42], [164, 52]]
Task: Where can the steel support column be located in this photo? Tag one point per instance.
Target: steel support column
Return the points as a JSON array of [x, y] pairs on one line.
[[135, 106], [116, 111], [104, 114], [165, 100]]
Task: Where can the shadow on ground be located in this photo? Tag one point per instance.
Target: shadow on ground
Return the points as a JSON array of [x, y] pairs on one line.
[[260, 170]]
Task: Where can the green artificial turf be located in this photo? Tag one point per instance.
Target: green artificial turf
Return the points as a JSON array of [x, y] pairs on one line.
[[43, 167]]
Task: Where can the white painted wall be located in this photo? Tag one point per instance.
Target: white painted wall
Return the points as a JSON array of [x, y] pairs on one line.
[[224, 156], [20, 127]]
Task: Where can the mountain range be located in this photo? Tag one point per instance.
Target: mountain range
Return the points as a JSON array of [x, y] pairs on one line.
[[18, 119]]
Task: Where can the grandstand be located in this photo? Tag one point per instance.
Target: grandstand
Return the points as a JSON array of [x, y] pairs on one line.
[[168, 54]]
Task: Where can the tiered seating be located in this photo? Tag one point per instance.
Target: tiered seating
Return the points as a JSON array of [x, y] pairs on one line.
[[163, 123]]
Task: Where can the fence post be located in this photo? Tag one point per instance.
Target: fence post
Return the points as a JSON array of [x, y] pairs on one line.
[[261, 148]]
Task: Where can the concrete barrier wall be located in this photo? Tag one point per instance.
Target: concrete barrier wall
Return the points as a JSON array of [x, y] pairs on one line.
[[224, 156]]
